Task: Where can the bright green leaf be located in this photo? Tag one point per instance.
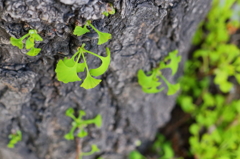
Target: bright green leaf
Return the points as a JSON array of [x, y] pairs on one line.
[[82, 133], [80, 30], [16, 42], [90, 82], [104, 66], [36, 37], [172, 88], [103, 37], [174, 61], [29, 43], [34, 51], [66, 72]]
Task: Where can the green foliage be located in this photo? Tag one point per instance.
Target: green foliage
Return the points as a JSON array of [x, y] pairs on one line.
[[29, 43], [67, 69], [150, 81], [80, 124], [161, 147], [208, 79], [14, 139], [102, 37]]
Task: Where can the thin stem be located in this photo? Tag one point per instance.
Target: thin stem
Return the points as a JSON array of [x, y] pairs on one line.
[[85, 62], [94, 54], [92, 27], [22, 38], [79, 148]]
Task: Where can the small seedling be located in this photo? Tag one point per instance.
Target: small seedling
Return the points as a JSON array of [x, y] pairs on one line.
[[14, 139], [110, 10], [102, 37], [29, 43], [150, 82], [68, 68], [80, 124]]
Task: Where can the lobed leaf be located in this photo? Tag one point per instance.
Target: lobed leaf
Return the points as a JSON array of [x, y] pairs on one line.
[[172, 88], [29, 43], [66, 71], [34, 51], [103, 37], [174, 61], [80, 30], [90, 82], [16, 42], [104, 66]]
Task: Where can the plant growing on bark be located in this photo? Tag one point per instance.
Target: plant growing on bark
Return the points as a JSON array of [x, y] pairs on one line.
[[150, 81], [208, 87], [67, 69], [14, 139], [102, 37], [80, 124], [29, 43]]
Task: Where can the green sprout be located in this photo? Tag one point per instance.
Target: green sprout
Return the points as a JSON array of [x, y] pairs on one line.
[[150, 82], [80, 124], [29, 43], [67, 69], [102, 37], [14, 139], [110, 10]]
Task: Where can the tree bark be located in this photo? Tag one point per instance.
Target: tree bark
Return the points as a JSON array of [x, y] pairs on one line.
[[34, 101]]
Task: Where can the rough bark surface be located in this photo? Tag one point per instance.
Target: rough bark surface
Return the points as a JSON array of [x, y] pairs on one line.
[[32, 100]]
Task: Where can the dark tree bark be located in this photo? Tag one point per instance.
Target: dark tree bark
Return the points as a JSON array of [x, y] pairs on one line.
[[32, 100]]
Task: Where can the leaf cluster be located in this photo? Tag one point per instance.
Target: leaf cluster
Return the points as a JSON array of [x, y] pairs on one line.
[[14, 139], [161, 147], [150, 81], [31, 36], [80, 124], [206, 88], [67, 69]]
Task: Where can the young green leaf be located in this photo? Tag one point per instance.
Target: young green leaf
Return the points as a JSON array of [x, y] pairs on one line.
[[29, 43], [80, 30], [94, 150], [34, 51], [104, 66], [17, 42], [174, 61], [172, 88], [36, 37], [90, 82], [105, 13], [67, 71], [102, 37], [82, 133]]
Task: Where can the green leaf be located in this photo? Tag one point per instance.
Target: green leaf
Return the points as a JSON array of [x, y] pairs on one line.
[[103, 37], [104, 66], [29, 43], [172, 88], [69, 112], [36, 37], [90, 82], [34, 51], [174, 61], [69, 136], [16, 42], [82, 133], [135, 155], [105, 13], [80, 67], [94, 150], [147, 81], [80, 30], [66, 71], [98, 121]]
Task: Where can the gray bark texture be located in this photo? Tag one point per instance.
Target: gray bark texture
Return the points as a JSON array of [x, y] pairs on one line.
[[34, 101]]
